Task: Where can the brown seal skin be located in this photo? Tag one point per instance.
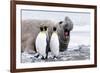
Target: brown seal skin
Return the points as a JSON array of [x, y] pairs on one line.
[[30, 30]]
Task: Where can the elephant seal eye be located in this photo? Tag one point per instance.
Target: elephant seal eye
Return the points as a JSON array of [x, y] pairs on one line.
[[60, 22]]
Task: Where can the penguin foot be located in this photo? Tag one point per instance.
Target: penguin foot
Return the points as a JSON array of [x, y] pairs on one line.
[[42, 58], [55, 57], [36, 55], [46, 57]]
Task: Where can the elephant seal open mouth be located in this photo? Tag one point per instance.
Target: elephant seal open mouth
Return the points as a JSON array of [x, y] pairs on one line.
[[66, 34]]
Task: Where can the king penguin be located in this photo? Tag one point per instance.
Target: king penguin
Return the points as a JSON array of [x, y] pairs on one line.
[[54, 43], [41, 42]]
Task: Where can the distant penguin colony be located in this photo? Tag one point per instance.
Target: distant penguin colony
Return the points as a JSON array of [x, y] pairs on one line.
[[54, 43], [41, 42]]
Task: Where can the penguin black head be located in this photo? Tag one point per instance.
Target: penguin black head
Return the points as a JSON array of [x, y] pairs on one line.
[[45, 28], [41, 28], [54, 28]]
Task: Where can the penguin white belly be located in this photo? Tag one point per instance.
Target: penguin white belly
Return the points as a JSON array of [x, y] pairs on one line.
[[41, 44], [54, 44]]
